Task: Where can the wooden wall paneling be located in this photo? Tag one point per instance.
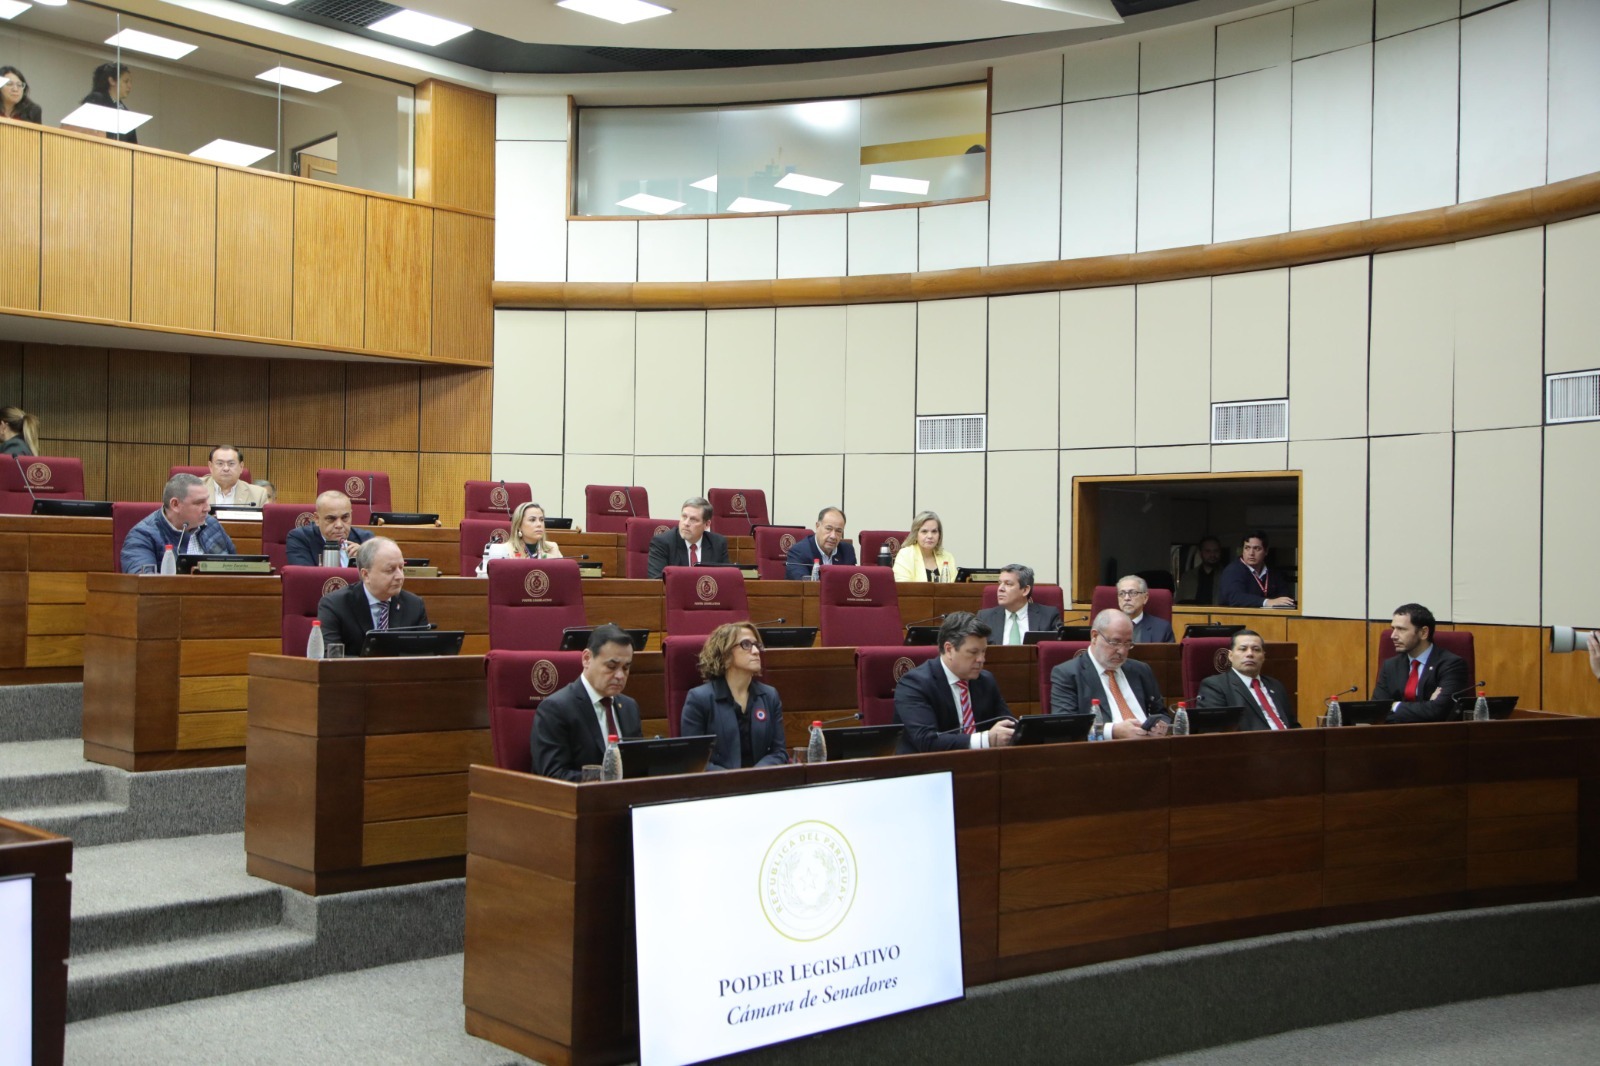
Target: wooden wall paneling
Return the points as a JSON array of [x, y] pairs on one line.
[[307, 404], [66, 388], [228, 404], [1333, 656], [456, 407], [1566, 683], [402, 470], [330, 263], [1272, 627], [86, 224], [455, 146], [148, 400], [255, 255], [439, 480], [93, 454], [383, 405], [10, 373], [1508, 658], [294, 471], [463, 282], [138, 471], [174, 242], [19, 217], [399, 277]]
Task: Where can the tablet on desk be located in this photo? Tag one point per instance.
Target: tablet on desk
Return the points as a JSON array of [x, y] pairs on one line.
[[661, 756], [576, 638], [1364, 712], [73, 508], [1214, 719], [1053, 728], [396, 642], [862, 741]]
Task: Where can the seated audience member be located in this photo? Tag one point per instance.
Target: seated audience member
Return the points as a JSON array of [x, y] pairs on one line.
[[527, 539], [1126, 688], [112, 83], [269, 488], [691, 544], [1246, 582], [825, 544], [375, 603], [1421, 680], [15, 103], [1199, 585], [942, 701], [19, 432], [570, 730], [1265, 700], [745, 715], [1133, 592], [183, 521], [223, 483], [303, 547], [923, 558], [1016, 613]]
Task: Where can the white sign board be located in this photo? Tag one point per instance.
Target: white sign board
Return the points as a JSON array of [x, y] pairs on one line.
[[762, 918], [16, 970]]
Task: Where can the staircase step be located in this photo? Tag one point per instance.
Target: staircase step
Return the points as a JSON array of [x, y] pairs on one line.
[[40, 712], [95, 822]]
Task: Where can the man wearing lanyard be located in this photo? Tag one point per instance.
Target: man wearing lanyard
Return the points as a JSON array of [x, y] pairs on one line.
[[1246, 582], [1265, 700], [183, 521]]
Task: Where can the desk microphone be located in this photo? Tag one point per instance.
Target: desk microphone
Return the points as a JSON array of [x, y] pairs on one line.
[[1072, 621], [926, 621], [1345, 692], [1470, 688], [23, 474], [184, 532], [774, 622], [506, 495], [838, 718], [628, 491]]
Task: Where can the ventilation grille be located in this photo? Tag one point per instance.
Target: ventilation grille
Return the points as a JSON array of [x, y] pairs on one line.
[[1257, 420], [1572, 397], [350, 12], [952, 433]]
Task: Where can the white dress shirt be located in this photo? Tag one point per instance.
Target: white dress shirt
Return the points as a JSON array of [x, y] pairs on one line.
[[1128, 695], [1249, 686], [976, 739]]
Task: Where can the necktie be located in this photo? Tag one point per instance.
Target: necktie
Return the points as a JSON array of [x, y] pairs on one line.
[[1013, 632], [966, 707], [611, 719], [1116, 694], [694, 555], [1266, 705], [1411, 682], [383, 616]]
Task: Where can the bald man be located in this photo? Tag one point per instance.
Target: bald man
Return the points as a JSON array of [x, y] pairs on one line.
[[304, 545]]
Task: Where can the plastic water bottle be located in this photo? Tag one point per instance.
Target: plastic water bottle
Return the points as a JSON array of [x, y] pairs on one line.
[[169, 561], [1100, 730], [314, 642], [816, 570], [1180, 721], [1480, 708], [817, 747], [611, 765], [1335, 718]]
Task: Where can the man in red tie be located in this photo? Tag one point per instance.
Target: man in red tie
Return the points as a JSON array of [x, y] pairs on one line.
[[1421, 680], [950, 702], [1265, 700], [570, 730], [692, 543]]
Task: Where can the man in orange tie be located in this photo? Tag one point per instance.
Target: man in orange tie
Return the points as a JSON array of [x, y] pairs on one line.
[[1126, 688], [1265, 700]]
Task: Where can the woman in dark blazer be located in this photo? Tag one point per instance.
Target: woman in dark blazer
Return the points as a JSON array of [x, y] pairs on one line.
[[745, 715]]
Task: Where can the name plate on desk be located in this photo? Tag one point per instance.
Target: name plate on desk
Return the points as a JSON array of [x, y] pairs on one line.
[[594, 570], [422, 571], [232, 566], [751, 573]]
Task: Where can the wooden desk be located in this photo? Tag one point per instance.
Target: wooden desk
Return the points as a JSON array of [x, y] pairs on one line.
[[47, 858], [1066, 854]]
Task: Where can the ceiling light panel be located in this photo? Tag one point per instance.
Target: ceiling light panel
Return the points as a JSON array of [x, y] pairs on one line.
[[805, 183], [150, 44], [750, 203], [238, 153], [650, 205], [298, 79], [619, 11], [889, 183], [105, 119], [419, 28], [10, 9]]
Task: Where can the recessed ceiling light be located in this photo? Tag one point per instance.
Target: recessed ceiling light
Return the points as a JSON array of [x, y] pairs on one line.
[[871, 203], [651, 205], [105, 119], [10, 9], [623, 11], [51, 3], [888, 183], [749, 203], [149, 43], [235, 152], [708, 184], [298, 79], [415, 26], [805, 183]]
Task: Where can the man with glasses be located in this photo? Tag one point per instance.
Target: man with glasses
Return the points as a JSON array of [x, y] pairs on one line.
[[1126, 688], [1133, 593], [223, 486]]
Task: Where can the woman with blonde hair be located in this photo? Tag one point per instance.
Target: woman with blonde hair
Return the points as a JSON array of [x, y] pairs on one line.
[[744, 715], [19, 432], [923, 557], [527, 539]]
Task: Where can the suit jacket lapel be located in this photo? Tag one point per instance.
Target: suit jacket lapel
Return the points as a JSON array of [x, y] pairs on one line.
[[942, 693]]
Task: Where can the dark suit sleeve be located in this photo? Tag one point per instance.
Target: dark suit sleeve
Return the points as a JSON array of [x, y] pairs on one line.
[[629, 721], [1052, 620], [420, 618], [335, 625], [297, 549], [1214, 692], [699, 718], [1280, 699], [913, 707], [660, 556], [797, 564], [1064, 688], [777, 753], [1235, 587], [553, 741], [716, 550], [847, 554], [988, 699], [1164, 633], [1450, 675]]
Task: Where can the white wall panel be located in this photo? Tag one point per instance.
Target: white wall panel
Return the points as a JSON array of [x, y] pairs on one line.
[[1574, 88], [1413, 341], [670, 383], [1252, 167], [1253, 44], [1571, 585], [952, 236], [529, 381], [741, 472], [1175, 144], [1414, 120], [1333, 528], [1109, 68], [1499, 378], [600, 418], [877, 494], [1329, 25], [1025, 186], [952, 345], [883, 242], [1411, 483], [947, 483], [811, 246], [1024, 361], [804, 484], [810, 364], [602, 251], [1184, 459], [1328, 309], [1021, 512], [880, 405], [672, 251], [670, 479], [1398, 16], [1250, 336], [1097, 360], [1571, 312], [1331, 160], [530, 118], [530, 190], [739, 374], [1497, 577], [1088, 462], [1173, 364], [1229, 457], [1179, 57], [542, 474], [1026, 81], [580, 470], [742, 249], [1504, 70], [1099, 177]]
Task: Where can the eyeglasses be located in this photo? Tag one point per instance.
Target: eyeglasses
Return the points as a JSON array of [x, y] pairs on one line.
[[1128, 594], [749, 645], [226, 464], [13, 84], [1123, 644]]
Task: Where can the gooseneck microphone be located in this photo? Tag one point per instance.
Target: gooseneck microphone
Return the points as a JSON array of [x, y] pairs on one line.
[[1343, 692], [774, 622], [838, 718], [23, 474], [926, 621], [1470, 688], [505, 494], [627, 490]]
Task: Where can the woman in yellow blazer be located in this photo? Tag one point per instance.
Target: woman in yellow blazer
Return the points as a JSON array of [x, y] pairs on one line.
[[923, 558]]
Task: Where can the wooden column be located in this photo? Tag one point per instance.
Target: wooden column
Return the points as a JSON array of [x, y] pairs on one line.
[[455, 147]]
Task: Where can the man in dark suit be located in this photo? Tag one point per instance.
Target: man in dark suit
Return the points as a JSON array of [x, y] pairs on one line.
[[1200, 584], [570, 730], [1264, 699], [1246, 582], [376, 602], [691, 544], [303, 546], [1017, 614], [826, 543], [1422, 680], [942, 701], [1133, 594], [1126, 688]]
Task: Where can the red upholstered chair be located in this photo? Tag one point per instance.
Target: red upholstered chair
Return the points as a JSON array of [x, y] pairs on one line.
[[868, 541], [478, 533], [772, 549], [355, 484], [699, 599], [680, 662], [1105, 598], [1202, 657], [859, 605], [518, 681], [607, 508], [636, 554], [278, 520], [878, 670], [531, 601], [495, 499], [735, 511], [205, 470], [1047, 595], [303, 589], [50, 478], [1455, 642], [124, 516], [1053, 653]]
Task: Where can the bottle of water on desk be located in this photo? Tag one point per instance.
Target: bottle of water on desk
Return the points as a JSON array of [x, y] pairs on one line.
[[1097, 729], [169, 561], [1480, 708], [817, 747], [816, 570], [1180, 721], [611, 765], [1335, 719], [314, 642]]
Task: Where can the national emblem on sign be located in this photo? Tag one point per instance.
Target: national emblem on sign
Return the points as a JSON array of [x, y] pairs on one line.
[[38, 474], [544, 676], [355, 488], [303, 519], [786, 541], [619, 500], [498, 497], [901, 665], [738, 503], [334, 584], [536, 584], [808, 881], [499, 536], [706, 588], [860, 585]]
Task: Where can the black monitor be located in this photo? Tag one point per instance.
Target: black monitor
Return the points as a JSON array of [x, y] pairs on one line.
[[862, 741], [557, 523], [788, 636], [403, 518], [1364, 712], [1499, 706], [1210, 629], [418, 562], [1053, 728], [987, 575], [922, 636], [188, 563], [576, 638], [395, 642], [1214, 719], [1043, 636], [73, 508], [661, 756]]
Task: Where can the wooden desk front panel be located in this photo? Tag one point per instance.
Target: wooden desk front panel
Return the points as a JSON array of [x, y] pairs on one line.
[[47, 859]]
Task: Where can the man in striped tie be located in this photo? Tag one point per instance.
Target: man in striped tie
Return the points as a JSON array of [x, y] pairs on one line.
[[951, 701], [377, 602]]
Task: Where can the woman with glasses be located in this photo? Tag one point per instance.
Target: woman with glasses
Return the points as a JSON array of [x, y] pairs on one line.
[[924, 558], [14, 100], [745, 715]]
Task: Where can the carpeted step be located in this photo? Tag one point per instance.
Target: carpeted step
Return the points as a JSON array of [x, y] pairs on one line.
[[146, 806], [40, 712], [47, 773]]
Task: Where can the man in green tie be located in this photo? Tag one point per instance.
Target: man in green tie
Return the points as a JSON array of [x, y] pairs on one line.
[[1016, 613]]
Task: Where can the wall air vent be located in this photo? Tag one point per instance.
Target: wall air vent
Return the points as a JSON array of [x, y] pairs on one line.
[[1253, 421], [1572, 397], [952, 433]]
